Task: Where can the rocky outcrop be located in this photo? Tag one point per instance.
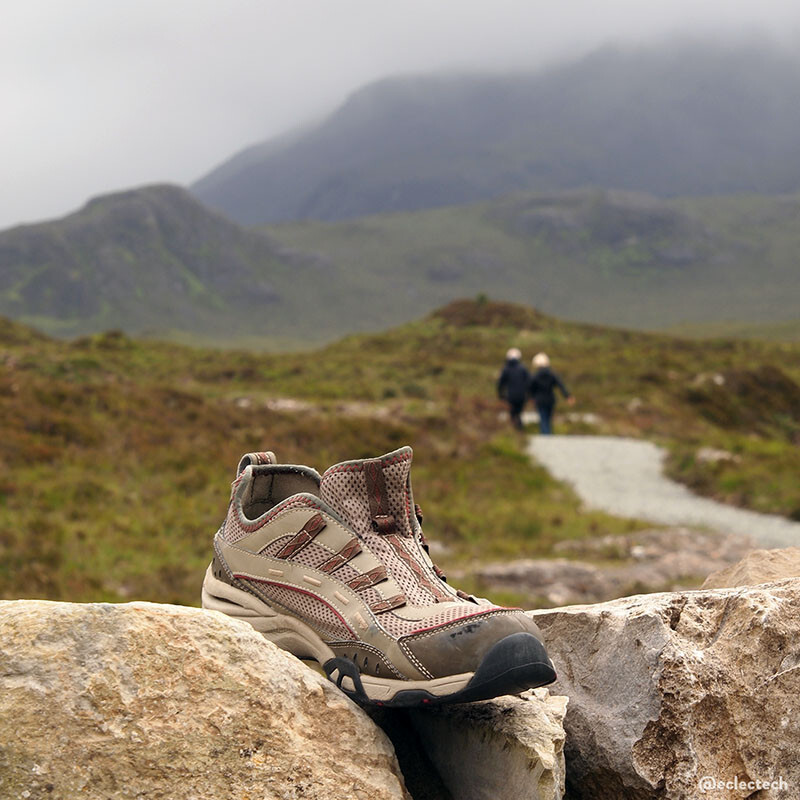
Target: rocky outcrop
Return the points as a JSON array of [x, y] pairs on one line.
[[669, 692], [504, 749], [759, 566], [649, 560], [166, 703]]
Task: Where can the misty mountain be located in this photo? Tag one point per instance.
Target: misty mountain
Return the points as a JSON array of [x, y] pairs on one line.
[[689, 118], [155, 261]]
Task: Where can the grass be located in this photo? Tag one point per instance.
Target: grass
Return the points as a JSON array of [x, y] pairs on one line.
[[753, 472], [116, 454]]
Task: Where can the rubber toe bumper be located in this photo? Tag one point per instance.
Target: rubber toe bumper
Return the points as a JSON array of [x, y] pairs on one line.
[[463, 645], [512, 665]]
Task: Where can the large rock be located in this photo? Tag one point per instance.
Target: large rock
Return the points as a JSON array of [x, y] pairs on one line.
[[166, 703], [667, 689], [510, 748], [759, 566]]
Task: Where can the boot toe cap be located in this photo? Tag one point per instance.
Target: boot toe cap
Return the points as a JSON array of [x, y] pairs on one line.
[[461, 646]]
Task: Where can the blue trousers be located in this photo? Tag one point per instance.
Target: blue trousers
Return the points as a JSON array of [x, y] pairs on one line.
[[545, 418]]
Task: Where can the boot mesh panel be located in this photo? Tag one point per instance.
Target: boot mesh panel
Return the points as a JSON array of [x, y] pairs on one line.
[[396, 626], [312, 555], [235, 529], [345, 573], [273, 548], [309, 609], [346, 491], [396, 477]]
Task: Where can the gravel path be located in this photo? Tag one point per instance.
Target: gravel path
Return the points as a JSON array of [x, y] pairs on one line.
[[624, 477]]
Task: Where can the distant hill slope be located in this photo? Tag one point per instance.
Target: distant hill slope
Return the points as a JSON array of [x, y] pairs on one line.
[[151, 259], [690, 118], [607, 257], [155, 261]]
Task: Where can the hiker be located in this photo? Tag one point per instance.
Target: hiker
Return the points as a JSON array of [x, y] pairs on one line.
[[542, 389], [512, 386]]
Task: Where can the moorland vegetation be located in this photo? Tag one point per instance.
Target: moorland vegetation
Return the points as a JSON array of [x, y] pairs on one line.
[[116, 453]]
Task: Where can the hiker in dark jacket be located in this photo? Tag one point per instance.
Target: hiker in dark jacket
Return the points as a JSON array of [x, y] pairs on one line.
[[512, 386], [542, 387]]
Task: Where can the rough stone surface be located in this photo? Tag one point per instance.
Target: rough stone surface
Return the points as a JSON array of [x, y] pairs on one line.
[[759, 566], [666, 689], [647, 560], [713, 455], [170, 703], [510, 748]]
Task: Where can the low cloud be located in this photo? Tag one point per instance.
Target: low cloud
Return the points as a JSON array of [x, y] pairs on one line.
[[99, 96]]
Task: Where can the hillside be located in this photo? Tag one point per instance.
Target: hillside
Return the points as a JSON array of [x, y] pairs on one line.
[[154, 261], [612, 258], [150, 259], [686, 118], [116, 454]]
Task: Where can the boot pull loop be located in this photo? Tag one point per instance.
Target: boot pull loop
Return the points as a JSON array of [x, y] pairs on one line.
[[383, 522], [266, 457]]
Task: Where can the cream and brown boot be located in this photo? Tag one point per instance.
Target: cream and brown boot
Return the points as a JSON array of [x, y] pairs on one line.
[[335, 568]]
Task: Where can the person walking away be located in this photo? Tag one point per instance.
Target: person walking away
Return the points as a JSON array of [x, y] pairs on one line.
[[512, 386], [542, 387]]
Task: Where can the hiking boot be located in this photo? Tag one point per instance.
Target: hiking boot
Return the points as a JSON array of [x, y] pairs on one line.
[[335, 569]]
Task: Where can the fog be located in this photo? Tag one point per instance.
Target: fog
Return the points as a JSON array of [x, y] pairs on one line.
[[101, 96]]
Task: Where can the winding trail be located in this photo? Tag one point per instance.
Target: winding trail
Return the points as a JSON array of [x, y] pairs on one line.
[[624, 477]]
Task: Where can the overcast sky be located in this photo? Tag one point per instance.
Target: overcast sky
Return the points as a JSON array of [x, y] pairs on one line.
[[100, 95]]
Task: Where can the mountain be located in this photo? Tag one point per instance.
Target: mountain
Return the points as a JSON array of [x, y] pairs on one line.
[[155, 261], [150, 259], [684, 118]]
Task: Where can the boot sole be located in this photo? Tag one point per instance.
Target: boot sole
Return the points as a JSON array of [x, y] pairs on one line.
[[512, 665]]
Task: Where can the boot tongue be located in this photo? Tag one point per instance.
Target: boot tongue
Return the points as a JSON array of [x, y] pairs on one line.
[[372, 494]]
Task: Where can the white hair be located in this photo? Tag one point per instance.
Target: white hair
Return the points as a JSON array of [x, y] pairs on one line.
[[514, 352], [541, 360]]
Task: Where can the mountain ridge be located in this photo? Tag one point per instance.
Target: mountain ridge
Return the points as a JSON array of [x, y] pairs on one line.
[[154, 261], [132, 260]]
